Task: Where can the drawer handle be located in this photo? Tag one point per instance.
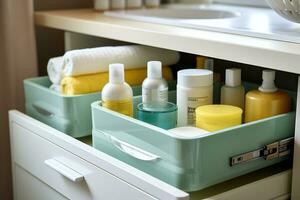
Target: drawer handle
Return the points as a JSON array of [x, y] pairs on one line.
[[132, 150], [64, 170], [42, 111]]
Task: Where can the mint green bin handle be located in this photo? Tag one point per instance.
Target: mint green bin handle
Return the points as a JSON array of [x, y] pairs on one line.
[[42, 110], [132, 150]]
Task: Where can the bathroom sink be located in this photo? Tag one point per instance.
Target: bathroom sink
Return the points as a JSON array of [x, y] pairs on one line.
[[182, 14], [248, 21]]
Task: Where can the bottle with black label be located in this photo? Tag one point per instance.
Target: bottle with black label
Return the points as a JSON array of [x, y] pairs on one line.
[[155, 88]]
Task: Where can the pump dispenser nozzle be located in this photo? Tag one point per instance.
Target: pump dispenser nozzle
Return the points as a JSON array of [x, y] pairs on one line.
[[268, 84]]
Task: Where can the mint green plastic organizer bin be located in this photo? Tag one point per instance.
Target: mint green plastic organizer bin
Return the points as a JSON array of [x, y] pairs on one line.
[[68, 114], [189, 164]]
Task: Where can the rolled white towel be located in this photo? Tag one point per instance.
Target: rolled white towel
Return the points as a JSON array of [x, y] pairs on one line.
[[96, 60], [55, 69], [55, 87]]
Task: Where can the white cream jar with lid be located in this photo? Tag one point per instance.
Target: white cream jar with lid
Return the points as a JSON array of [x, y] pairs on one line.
[[194, 89]]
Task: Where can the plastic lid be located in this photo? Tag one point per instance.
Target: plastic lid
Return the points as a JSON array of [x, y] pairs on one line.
[[268, 84], [154, 69], [188, 132], [217, 117], [195, 77], [233, 77], [116, 73]]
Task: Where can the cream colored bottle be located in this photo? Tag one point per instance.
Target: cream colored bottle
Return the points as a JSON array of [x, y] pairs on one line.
[[233, 92], [117, 95], [267, 101]]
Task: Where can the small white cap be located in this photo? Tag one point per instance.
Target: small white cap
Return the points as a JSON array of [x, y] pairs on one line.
[[154, 69], [233, 77], [116, 73], [268, 84], [195, 78]]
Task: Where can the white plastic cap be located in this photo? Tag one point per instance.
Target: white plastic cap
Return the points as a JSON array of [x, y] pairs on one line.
[[154, 69], [233, 77], [195, 78], [116, 73], [268, 84]]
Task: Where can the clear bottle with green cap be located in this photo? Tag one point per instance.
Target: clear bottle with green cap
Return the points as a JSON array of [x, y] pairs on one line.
[[117, 95]]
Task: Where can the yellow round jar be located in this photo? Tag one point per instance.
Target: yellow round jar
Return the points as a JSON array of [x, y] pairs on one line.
[[217, 117]]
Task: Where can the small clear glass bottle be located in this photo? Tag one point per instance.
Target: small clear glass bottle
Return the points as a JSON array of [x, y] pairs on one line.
[[134, 4], [154, 88], [233, 92], [101, 5], [118, 4], [152, 3]]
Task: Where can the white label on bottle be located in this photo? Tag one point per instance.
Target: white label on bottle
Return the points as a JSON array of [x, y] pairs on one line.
[[155, 95], [193, 103]]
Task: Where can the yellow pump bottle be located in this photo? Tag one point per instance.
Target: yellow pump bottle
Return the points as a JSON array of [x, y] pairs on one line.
[[267, 101]]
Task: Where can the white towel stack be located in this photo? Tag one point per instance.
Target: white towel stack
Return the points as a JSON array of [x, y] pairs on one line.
[[97, 60], [55, 72]]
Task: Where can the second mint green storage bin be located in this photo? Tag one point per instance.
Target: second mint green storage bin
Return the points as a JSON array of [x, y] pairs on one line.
[[189, 164], [68, 114]]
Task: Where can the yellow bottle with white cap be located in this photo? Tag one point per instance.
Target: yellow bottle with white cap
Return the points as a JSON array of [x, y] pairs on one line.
[[267, 101], [117, 95]]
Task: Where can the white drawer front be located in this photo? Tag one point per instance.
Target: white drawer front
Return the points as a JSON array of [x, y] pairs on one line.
[[28, 187], [67, 173]]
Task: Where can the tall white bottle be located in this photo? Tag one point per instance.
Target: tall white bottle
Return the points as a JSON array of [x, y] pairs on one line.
[[117, 95], [155, 88], [194, 89], [233, 92]]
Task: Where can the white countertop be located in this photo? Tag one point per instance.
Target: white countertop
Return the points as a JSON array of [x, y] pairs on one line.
[[261, 52], [241, 20]]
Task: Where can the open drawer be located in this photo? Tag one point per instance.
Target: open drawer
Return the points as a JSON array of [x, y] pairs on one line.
[[194, 163], [28, 135]]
